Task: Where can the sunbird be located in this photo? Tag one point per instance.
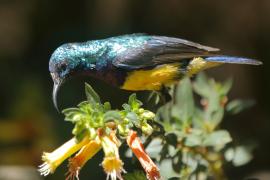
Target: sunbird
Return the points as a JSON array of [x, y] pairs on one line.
[[136, 62]]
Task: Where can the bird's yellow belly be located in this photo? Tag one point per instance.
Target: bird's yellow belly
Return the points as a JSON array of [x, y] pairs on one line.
[[152, 79]]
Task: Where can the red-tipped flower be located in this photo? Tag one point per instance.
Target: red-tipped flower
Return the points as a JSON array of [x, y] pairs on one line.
[[79, 160], [137, 148]]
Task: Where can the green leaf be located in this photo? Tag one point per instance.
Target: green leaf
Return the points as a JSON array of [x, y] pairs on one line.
[[85, 106], [132, 98], [112, 116], [134, 102], [217, 139], [202, 86], [229, 154], [73, 114], [177, 161], [214, 111], [133, 118], [236, 106], [198, 120], [107, 106], [137, 175], [193, 140], [71, 111], [79, 136], [184, 103], [91, 95], [215, 117], [164, 113], [126, 107], [79, 131], [226, 87], [166, 169], [242, 156], [154, 148]]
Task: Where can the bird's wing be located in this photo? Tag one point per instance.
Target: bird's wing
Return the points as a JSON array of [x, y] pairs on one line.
[[159, 50]]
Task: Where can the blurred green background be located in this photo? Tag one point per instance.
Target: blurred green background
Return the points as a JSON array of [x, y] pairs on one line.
[[30, 30]]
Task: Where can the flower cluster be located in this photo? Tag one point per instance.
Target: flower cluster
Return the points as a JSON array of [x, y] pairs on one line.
[[98, 127], [187, 142]]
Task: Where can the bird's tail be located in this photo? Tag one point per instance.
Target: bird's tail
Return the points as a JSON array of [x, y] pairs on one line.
[[232, 60]]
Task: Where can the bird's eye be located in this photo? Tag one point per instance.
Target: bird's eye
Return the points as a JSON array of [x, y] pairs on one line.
[[63, 67]]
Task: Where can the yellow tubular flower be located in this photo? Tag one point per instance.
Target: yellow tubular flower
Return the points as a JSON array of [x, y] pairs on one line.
[[112, 164], [78, 161], [54, 159]]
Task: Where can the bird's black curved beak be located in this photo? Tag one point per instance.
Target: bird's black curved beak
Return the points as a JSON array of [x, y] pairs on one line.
[[57, 84]]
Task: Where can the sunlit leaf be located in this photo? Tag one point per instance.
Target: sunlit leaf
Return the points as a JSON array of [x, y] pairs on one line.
[[184, 103], [242, 156], [217, 139], [164, 113], [216, 116], [107, 106], [134, 102], [91, 95], [126, 107], [133, 118], [83, 104], [112, 115], [229, 154], [154, 148], [201, 85], [236, 106], [226, 87], [193, 140], [166, 169], [73, 114]]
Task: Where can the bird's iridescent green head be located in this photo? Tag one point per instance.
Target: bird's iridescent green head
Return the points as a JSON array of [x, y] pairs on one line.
[[67, 60]]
